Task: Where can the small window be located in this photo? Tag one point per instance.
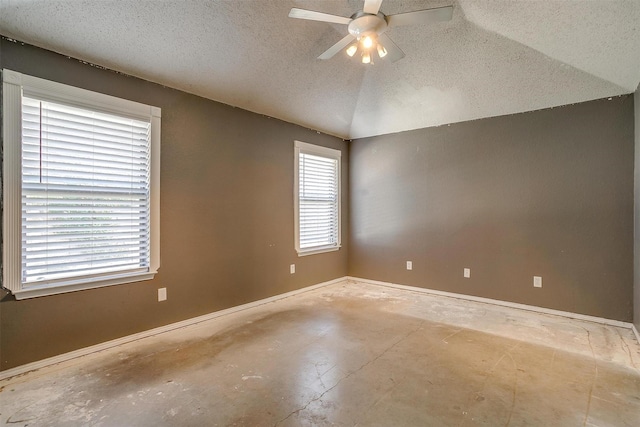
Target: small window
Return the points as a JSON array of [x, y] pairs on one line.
[[317, 199], [81, 188]]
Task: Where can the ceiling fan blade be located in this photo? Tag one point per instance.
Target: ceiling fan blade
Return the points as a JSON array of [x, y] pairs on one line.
[[426, 16], [317, 16], [372, 6], [394, 53], [329, 53]]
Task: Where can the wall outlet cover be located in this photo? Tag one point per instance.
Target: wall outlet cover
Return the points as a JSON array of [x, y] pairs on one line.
[[537, 281], [162, 294], [409, 265], [292, 268], [467, 273]]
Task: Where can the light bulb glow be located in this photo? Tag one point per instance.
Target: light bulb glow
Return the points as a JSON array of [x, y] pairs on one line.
[[366, 58], [367, 42], [351, 50], [382, 52]]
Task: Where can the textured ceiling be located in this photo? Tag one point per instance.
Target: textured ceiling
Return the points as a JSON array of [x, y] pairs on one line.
[[492, 58]]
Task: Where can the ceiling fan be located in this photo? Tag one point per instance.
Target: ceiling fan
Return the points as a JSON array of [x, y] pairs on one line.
[[367, 29]]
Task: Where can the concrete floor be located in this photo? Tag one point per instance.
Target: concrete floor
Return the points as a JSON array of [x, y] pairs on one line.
[[348, 355]]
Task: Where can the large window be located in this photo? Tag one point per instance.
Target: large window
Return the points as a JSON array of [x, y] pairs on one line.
[[81, 187], [317, 199]]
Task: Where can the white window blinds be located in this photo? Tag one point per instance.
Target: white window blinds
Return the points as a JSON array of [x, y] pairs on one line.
[[85, 192], [318, 200]]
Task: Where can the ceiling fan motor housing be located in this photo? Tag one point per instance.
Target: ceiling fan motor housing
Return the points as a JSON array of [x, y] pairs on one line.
[[366, 23]]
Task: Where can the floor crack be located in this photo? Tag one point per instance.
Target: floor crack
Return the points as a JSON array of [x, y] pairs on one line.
[[484, 383], [595, 376], [444, 340], [515, 389], [351, 373], [626, 347]]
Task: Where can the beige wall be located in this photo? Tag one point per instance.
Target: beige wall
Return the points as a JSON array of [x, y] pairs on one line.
[[226, 219], [547, 193]]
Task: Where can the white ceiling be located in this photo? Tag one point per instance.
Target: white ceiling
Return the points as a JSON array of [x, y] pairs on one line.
[[493, 58]]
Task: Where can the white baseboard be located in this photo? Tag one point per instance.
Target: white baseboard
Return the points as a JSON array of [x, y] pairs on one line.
[[635, 331], [23, 369], [534, 308]]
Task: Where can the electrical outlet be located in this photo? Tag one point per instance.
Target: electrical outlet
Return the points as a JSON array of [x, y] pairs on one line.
[[162, 294], [467, 273], [292, 268], [409, 265], [537, 281]]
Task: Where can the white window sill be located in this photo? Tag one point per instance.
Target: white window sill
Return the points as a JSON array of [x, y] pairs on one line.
[[317, 250], [35, 290]]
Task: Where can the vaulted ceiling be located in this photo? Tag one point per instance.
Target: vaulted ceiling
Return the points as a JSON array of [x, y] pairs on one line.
[[493, 58]]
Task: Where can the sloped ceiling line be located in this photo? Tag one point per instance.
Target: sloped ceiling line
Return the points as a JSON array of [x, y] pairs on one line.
[[595, 43]]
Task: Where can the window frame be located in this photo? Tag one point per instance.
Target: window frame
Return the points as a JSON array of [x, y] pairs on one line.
[[16, 84], [316, 150]]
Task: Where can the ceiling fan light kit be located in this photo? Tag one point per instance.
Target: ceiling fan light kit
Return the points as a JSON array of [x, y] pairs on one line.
[[367, 44], [367, 29]]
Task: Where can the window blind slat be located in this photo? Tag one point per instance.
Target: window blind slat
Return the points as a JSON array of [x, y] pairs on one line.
[[80, 253], [32, 144], [62, 191], [107, 266], [47, 244], [64, 231], [83, 210]]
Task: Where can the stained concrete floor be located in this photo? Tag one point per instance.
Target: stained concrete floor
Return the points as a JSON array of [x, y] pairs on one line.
[[348, 355]]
